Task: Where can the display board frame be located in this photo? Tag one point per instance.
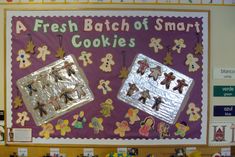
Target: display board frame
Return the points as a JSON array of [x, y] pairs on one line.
[[119, 141]]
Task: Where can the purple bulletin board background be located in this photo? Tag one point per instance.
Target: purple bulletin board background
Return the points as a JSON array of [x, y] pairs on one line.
[[86, 135]]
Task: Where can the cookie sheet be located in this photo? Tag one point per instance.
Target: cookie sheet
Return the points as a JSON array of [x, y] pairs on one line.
[[54, 90], [172, 101]]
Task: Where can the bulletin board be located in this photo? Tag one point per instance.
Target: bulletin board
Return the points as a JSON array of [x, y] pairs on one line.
[[137, 69]]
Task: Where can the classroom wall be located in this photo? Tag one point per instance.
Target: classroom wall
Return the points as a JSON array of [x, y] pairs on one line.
[[222, 55]]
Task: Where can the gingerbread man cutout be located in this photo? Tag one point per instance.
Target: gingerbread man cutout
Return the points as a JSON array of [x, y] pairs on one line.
[[155, 44], [23, 58], [121, 129], [143, 66], [179, 44], [144, 95], [107, 63], [192, 63], [79, 90], [132, 89], [85, 58], [69, 69], [158, 101], [43, 52], [155, 73], [168, 78], [104, 86], [181, 84], [107, 107]]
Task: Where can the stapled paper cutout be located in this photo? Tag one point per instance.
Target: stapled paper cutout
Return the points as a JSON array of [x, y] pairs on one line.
[[143, 66], [85, 57], [146, 126], [43, 52], [30, 45], [132, 89], [132, 114], [96, 124], [23, 59], [104, 86], [163, 130], [193, 112], [179, 44], [107, 63], [107, 107], [47, 130], [155, 44], [168, 78], [155, 72], [41, 109], [62, 125], [144, 95], [17, 102], [69, 69], [79, 120], [191, 61], [180, 85], [23, 117], [198, 48], [121, 129], [182, 128]]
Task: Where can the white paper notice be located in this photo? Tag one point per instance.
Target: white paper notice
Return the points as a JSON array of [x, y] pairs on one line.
[[89, 152], [22, 135]]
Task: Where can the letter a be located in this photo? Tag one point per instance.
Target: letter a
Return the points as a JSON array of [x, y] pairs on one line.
[[20, 27]]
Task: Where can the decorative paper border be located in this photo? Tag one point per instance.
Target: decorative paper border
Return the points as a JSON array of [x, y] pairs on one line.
[[157, 2], [205, 19]]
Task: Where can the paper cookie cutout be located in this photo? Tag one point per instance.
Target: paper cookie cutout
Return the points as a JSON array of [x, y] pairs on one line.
[[31, 89], [30, 47], [17, 102], [121, 129], [191, 61], [23, 59], [54, 101], [41, 109], [155, 44], [157, 102], [198, 48], [23, 117], [132, 114], [168, 79], [96, 124], [144, 95], [193, 112], [104, 86], [62, 125], [179, 44], [107, 63], [143, 66], [132, 89], [168, 59], [163, 130], [182, 128], [180, 85], [43, 52], [123, 73], [155, 72], [146, 126], [107, 107], [68, 67], [66, 95], [47, 130], [79, 120], [85, 57]]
